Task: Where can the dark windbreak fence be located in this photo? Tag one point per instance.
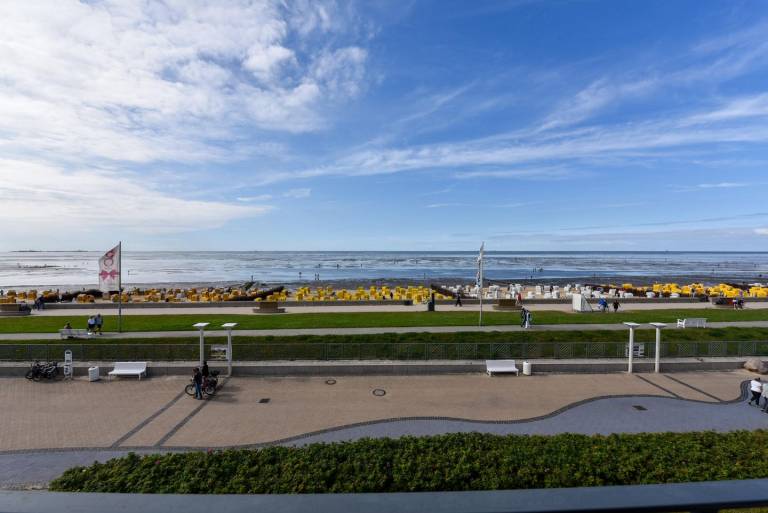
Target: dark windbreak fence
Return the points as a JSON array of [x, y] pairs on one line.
[[380, 351]]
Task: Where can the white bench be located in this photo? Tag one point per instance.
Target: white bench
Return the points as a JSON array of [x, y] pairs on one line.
[[72, 333], [497, 366], [695, 322], [129, 369]]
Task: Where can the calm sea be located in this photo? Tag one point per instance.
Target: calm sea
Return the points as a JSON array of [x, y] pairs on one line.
[[26, 269]]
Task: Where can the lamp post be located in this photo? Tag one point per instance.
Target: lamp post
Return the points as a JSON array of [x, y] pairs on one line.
[[228, 326], [657, 358], [201, 326], [631, 351]]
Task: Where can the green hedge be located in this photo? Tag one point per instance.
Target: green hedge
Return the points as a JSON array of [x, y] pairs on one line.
[[440, 463]]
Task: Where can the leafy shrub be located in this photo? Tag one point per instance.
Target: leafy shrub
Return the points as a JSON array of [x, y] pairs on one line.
[[469, 461]]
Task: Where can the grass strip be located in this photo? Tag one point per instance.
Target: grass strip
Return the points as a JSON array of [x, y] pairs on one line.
[[181, 322]]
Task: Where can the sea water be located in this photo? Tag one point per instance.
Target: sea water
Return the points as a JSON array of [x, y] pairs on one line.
[[79, 268]]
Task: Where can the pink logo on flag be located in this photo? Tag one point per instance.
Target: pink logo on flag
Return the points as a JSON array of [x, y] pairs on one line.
[[109, 270]]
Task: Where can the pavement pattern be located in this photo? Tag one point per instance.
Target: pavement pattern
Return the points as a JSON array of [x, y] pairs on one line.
[[49, 427]]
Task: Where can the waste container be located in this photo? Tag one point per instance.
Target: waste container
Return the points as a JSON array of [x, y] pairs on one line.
[[93, 374], [526, 368]]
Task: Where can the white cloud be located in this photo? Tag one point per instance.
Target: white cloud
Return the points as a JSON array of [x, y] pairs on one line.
[[722, 185], [595, 97], [342, 70], [298, 193], [761, 231], [738, 108], [250, 199], [128, 81], [51, 203]]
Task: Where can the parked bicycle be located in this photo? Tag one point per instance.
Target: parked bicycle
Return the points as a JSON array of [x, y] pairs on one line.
[[209, 387], [38, 371]]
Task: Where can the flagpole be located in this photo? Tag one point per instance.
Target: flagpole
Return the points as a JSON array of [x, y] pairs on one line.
[[480, 291], [120, 287]]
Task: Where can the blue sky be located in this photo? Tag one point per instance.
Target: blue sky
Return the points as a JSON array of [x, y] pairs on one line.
[[378, 125]]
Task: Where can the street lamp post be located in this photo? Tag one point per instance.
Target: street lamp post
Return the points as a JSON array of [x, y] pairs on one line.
[[631, 350], [657, 359], [228, 326], [201, 327]]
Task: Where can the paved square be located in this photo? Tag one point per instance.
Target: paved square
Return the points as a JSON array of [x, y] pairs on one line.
[[155, 413]]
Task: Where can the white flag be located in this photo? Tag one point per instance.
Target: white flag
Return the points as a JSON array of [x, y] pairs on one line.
[[479, 279], [109, 270]]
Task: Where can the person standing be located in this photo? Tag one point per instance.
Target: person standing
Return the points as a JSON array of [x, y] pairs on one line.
[[197, 379], [756, 387], [458, 299], [91, 324], [615, 306], [528, 319], [99, 323], [764, 395]]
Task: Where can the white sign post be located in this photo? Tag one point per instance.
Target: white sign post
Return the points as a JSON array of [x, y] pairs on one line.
[[228, 326], [659, 326], [631, 351], [201, 326]]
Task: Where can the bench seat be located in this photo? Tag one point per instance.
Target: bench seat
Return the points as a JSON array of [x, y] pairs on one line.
[[694, 322], [75, 333], [498, 366], [129, 369]]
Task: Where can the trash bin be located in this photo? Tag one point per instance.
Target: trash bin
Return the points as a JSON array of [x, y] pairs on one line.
[[526, 368], [93, 374]]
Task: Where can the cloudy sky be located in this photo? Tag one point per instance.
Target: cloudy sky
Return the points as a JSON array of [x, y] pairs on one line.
[[267, 125]]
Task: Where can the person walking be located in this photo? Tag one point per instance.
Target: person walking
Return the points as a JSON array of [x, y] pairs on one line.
[[528, 319], [756, 387], [91, 324], [764, 395], [615, 306], [458, 299], [197, 379], [99, 323]]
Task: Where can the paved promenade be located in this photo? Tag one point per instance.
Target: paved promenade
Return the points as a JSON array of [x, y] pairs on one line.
[[369, 331], [105, 419], [197, 308]]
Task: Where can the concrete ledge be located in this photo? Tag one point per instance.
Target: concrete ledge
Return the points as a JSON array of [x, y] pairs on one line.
[[400, 368]]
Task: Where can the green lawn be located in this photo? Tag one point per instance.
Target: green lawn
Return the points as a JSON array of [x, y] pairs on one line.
[[35, 324]]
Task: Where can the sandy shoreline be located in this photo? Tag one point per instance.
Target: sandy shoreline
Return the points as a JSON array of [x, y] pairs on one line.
[[352, 284]]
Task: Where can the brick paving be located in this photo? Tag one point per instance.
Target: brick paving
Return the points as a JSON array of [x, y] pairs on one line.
[[101, 420]]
